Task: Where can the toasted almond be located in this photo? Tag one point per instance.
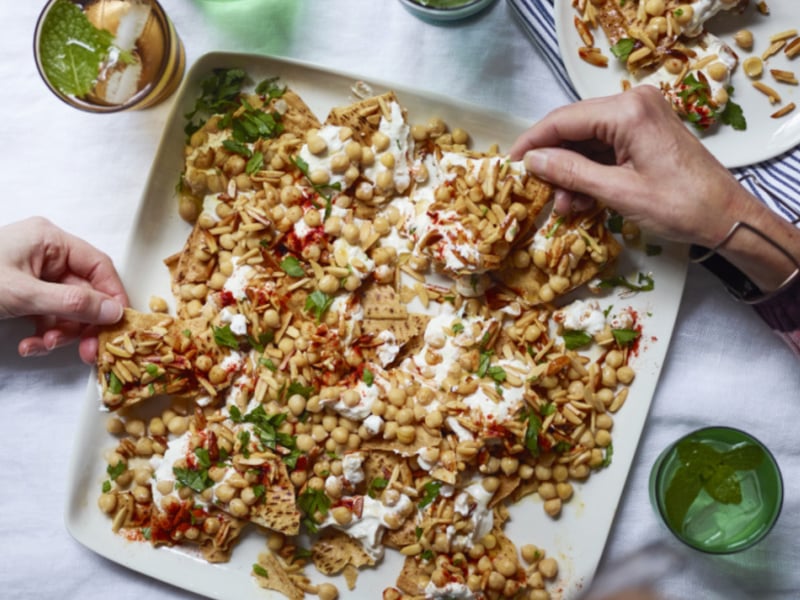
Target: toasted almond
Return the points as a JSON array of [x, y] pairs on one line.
[[793, 48], [782, 112], [783, 35], [583, 31], [774, 97], [784, 76], [593, 56], [773, 49]]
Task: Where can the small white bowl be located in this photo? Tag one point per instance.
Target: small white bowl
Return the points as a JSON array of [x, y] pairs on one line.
[[433, 10]]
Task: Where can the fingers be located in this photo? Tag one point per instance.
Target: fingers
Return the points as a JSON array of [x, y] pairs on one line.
[[70, 302], [88, 263], [571, 171]]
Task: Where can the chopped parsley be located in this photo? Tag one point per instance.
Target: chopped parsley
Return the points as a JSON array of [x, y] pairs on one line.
[[260, 571], [197, 480], [295, 387], [369, 377], [431, 492], [552, 231], [733, 115], [614, 222], [265, 426], [292, 267], [311, 502], [532, 431], [644, 283], [223, 336], [255, 164], [324, 190], [625, 337], [117, 470], [609, 454], [270, 89], [267, 362], [379, 483], [106, 486], [576, 338], [623, 48], [317, 303], [457, 328], [218, 94], [114, 383]]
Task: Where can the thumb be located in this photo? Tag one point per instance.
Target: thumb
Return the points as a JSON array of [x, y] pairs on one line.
[[570, 171], [73, 302]]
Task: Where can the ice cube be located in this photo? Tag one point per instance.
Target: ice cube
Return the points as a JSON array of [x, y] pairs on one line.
[[701, 523], [131, 25], [121, 84]]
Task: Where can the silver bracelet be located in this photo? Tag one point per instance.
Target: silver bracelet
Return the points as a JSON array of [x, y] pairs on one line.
[[738, 284]]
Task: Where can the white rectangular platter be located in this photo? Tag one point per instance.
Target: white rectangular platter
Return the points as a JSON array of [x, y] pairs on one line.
[[576, 539]]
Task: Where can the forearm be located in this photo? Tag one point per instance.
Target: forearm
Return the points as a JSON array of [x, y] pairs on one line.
[[764, 263]]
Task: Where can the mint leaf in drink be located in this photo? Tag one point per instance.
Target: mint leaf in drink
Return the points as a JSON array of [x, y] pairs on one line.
[[680, 495], [724, 486], [72, 49], [744, 458]]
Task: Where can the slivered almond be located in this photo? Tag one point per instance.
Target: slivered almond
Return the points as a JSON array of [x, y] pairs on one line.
[[784, 76], [583, 31], [793, 48], [782, 112], [773, 49], [593, 56], [783, 35], [774, 97]]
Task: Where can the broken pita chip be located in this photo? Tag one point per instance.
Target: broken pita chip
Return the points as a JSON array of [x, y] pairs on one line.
[[278, 511], [363, 117], [335, 550], [270, 574]]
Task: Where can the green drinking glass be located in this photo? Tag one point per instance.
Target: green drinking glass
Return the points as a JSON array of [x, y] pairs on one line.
[[717, 489]]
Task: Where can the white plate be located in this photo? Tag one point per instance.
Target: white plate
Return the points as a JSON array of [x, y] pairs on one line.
[[576, 539], [764, 137]]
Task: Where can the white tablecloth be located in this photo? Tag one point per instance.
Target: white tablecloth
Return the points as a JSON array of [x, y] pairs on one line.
[[87, 172]]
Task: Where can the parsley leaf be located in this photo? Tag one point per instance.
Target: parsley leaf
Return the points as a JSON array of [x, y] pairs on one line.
[[644, 283], [197, 480], [223, 336], [219, 92], [311, 502], [623, 48], [114, 383], [733, 115], [117, 470], [625, 337], [368, 376], [575, 338], [260, 571], [292, 267], [431, 489], [376, 484], [317, 303]]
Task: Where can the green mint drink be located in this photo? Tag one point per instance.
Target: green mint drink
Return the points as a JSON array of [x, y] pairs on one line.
[[717, 489]]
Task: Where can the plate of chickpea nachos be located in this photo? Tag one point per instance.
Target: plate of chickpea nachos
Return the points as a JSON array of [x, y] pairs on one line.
[[364, 358], [729, 67]]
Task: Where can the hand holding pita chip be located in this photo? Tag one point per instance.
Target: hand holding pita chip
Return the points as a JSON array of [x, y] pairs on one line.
[[61, 281]]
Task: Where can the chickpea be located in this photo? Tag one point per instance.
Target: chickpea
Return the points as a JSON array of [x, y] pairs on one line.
[[460, 136], [115, 426], [655, 8], [327, 591], [381, 141], [328, 284], [530, 553], [505, 566], [717, 71], [553, 507], [158, 304], [744, 39], [548, 567], [107, 503], [316, 144], [496, 581], [625, 374], [683, 14]]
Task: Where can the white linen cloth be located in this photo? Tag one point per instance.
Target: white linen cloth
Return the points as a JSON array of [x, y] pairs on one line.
[[87, 172]]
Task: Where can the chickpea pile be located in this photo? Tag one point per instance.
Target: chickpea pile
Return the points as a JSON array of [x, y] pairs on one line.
[[337, 385]]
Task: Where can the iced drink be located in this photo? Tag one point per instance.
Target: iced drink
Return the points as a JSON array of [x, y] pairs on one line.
[[717, 489], [108, 55]]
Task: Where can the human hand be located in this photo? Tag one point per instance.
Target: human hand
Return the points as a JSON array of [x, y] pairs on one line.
[[632, 153], [61, 281]]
